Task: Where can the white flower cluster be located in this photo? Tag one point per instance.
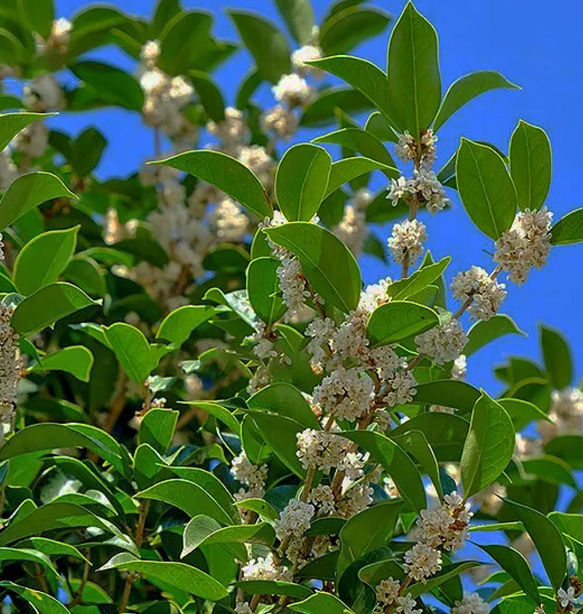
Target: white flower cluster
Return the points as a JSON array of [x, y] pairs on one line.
[[58, 39], [566, 414], [484, 291], [294, 520], [352, 229], [8, 170], [406, 241], [293, 90], [252, 476], [526, 245], [406, 148], [346, 393], [443, 342], [228, 221], [44, 93], [279, 122], [327, 451], [231, 131], [265, 569], [9, 369], [388, 594], [424, 185], [471, 604], [490, 499]]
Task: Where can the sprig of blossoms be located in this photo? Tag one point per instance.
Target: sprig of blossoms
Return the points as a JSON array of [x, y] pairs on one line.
[[252, 476], [471, 604], [9, 369], [406, 241], [346, 393], [484, 291], [444, 342]]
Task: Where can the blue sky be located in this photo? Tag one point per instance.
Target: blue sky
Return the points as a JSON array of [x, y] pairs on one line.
[[534, 45]]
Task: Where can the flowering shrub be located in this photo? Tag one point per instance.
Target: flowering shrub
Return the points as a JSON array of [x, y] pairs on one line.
[[202, 408]]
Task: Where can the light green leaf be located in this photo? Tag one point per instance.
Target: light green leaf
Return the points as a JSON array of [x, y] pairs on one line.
[[399, 320], [489, 445], [326, 262], [530, 165], [47, 305], [131, 349], [557, 357], [43, 259], [12, 123], [484, 332], [299, 18], [323, 109], [418, 281], [75, 359], [227, 174], [522, 412], [547, 539], [414, 82], [466, 88], [367, 530], [569, 229], [177, 326], [447, 573], [157, 428], [301, 180], [29, 191], [218, 411], [266, 44], [274, 587], [348, 169], [41, 602], [485, 188], [175, 576], [260, 507], [321, 603], [376, 124]]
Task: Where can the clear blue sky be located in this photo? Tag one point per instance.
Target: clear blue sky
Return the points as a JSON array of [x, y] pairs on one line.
[[534, 44]]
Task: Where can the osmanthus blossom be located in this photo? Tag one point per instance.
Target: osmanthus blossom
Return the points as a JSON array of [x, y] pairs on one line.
[[406, 241], [485, 293], [10, 369], [443, 342]]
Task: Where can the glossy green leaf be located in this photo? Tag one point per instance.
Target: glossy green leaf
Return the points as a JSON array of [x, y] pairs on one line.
[[547, 539], [399, 320], [74, 359], [448, 393], [489, 445], [157, 428], [467, 88], [485, 188], [177, 326], [414, 82], [284, 399], [131, 349], [299, 18], [326, 262], [323, 109], [418, 281], [43, 259], [486, 331], [346, 29], [522, 412], [321, 603], [349, 169], [263, 289], [569, 229], [557, 357], [448, 572], [274, 587], [12, 123], [209, 95], [29, 191], [41, 602], [530, 165], [227, 174], [301, 180], [47, 305], [266, 44]]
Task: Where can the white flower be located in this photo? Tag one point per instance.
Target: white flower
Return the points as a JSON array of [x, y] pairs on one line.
[[44, 93], [422, 561], [443, 342], [350, 340], [400, 188], [322, 498], [406, 605], [33, 140], [60, 33], [265, 569], [232, 131], [355, 499], [8, 170], [243, 608], [387, 591], [405, 147], [407, 241], [362, 198], [526, 447], [306, 54], [150, 53], [229, 221], [253, 476], [566, 597], [428, 148], [484, 291], [282, 123], [321, 449], [292, 283], [430, 190], [459, 369], [320, 332], [293, 90], [374, 295], [346, 393], [294, 520], [9, 366], [256, 159], [525, 245], [400, 387], [352, 229], [471, 604], [566, 414]]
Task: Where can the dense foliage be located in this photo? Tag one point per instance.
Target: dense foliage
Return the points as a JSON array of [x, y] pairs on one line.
[[202, 408]]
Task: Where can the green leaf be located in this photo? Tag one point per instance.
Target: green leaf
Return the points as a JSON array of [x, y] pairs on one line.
[[326, 262], [395, 462], [29, 191], [263, 289], [52, 548], [514, 563], [301, 180], [449, 393], [57, 516], [569, 229], [75, 359], [367, 530], [43, 259], [360, 141], [416, 444], [274, 587], [567, 447], [557, 357], [550, 469], [348, 169], [321, 603], [399, 320], [218, 411], [346, 29], [522, 412], [489, 445], [41, 602], [46, 436], [177, 326], [530, 165], [113, 85], [323, 109], [227, 174], [175, 576], [10, 555], [165, 11], [47, 305], [414, 82], [208, 94], [131, 349], [266, 44], [284, 399], [467, 88], [86, 151], [484, 332], [188, 497], [87, 274], [299, 18], [12, 123], [260, 507], [569, 524], [447, 573], [201, 527], [376, 124], [485, 188], [39, 15], [547, 539], [157, 428], [418, 281]]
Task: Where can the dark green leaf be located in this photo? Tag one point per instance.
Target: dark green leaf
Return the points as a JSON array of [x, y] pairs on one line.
[[557, 357], [569, 229], [484, 332], [346, 29], [299, 18], [399, 320]]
